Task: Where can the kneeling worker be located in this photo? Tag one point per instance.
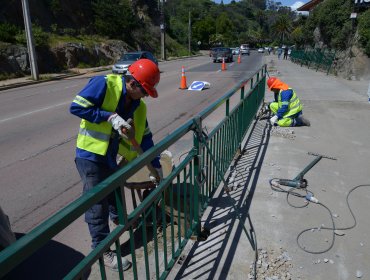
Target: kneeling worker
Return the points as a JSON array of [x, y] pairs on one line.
[[287, 108]]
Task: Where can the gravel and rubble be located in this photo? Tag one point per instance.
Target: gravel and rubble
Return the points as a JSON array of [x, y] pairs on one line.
[[283, 132], [272, 265]]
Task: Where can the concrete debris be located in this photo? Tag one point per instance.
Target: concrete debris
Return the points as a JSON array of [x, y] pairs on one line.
[[331, 261], [359, 274], [326, 260], [335, 215], [273, 265], [361, 244], [282, 132], [339, 232]]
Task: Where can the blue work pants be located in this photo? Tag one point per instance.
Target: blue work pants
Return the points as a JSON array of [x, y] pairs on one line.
[[97, 216]]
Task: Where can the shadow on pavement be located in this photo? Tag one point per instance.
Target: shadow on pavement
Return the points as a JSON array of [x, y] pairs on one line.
[[234, 209], [53, 261]]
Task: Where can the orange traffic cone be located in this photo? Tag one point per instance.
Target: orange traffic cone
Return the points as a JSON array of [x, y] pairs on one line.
[[239, 59], [183, 79], [223, 66]]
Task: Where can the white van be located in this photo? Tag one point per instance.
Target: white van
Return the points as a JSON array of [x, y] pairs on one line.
[[244, 49]]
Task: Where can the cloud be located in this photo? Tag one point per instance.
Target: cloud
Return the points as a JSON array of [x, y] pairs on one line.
[[296, 5]]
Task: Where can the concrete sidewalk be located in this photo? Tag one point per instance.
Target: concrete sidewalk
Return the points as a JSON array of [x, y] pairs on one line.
[[339, 113]]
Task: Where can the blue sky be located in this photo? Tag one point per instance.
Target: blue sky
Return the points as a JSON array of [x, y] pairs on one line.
[[290, 3]]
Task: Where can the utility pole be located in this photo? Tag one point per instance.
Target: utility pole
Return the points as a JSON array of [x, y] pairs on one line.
[[29, 37], [163, 31], [189, 46]]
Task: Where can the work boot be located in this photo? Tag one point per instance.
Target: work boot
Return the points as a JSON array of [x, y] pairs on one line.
[[302, 121], [110, 260]]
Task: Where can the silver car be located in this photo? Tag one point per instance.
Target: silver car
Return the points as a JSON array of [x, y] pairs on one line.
[[120, 67]]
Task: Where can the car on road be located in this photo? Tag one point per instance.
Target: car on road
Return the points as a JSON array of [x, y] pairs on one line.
[[120, 67], [235, 51], [222, 53], [261, 50], [244, 49]]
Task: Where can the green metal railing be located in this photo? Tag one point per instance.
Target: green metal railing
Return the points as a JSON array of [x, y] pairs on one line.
[[175, 206], [315, 58]]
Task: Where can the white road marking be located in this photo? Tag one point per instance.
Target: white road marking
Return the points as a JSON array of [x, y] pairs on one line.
[[34, 111]]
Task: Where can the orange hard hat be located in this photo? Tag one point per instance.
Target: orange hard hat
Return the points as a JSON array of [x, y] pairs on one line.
[[271, 82], [146, 72], [275, 83]]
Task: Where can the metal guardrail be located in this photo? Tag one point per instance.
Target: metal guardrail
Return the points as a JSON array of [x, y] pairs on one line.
[[174, 208], [316, 58]]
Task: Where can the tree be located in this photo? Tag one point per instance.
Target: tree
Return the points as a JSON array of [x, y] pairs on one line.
[[282, 27], [114, 18]]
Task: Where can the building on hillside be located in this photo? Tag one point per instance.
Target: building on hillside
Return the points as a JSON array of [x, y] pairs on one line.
[[309, 6]]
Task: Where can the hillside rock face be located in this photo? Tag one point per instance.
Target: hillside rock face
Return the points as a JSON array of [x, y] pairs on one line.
[[352, 63], [14, 58]]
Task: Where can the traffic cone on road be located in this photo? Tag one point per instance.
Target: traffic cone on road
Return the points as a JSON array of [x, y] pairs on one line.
[[239, 58], [223, 66], [183, 79]]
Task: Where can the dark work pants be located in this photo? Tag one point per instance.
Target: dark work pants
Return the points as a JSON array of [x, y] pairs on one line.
[[97, 216]]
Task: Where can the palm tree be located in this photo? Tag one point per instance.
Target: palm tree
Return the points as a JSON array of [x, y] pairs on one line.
[[282, 27]]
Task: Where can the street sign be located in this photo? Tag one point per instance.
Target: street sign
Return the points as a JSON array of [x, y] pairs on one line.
[[199, 85]]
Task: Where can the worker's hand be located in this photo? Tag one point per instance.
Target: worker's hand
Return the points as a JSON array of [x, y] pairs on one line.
[[119, 124], [156, 178], [273, 120]]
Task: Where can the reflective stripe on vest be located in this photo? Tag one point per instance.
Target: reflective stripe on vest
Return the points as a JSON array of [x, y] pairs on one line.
[[294, 105], [125, 147], [94, 137]]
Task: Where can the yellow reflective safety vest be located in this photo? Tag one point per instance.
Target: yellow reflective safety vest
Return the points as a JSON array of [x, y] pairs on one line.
[[94, 137], [126, 149], [294, 104]]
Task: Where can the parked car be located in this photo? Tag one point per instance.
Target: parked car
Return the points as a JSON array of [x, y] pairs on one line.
[[120, 67], [212, 51], [235, 51], [261, 50], [220, 53], [244, 49]]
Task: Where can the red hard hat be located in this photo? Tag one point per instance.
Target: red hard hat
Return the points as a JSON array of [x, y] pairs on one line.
[[271, 81], [146, 72]]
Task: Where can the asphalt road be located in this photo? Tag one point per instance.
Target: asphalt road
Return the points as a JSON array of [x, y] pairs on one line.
[[37, 141]]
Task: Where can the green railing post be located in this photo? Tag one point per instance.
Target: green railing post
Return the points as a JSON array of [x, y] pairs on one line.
[[197, 172], [227, 107]]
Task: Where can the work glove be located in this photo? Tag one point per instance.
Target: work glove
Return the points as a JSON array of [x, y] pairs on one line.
[[273, 120], [124, 128], [156, 179]]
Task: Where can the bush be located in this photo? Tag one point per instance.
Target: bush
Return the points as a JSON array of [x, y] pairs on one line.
[[8, 32], [40, 37], [364, 31]]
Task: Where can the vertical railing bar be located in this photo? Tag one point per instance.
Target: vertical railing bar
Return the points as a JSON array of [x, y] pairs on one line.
[[179, 210], [146, 260], [172, 223], [155, 238], [133, 253], [102, 269], [119, 258], [164, 229], [185, 199], [191, 197]]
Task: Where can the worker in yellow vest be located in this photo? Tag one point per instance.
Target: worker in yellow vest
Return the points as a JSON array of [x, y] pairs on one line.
[[104, 105], [287, 107]]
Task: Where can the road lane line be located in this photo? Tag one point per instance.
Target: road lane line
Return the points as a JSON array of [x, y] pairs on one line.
[[34, 111]]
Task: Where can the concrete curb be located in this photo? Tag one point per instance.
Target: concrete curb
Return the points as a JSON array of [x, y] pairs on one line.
[[55, 78]]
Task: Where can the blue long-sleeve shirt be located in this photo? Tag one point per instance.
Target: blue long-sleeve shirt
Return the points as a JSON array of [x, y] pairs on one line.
[[94, 92], [286, 95]]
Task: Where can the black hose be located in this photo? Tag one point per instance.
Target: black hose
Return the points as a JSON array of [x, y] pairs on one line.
[[278, 188]]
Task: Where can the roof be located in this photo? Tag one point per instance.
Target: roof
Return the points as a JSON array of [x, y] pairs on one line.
[[309, 5]]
